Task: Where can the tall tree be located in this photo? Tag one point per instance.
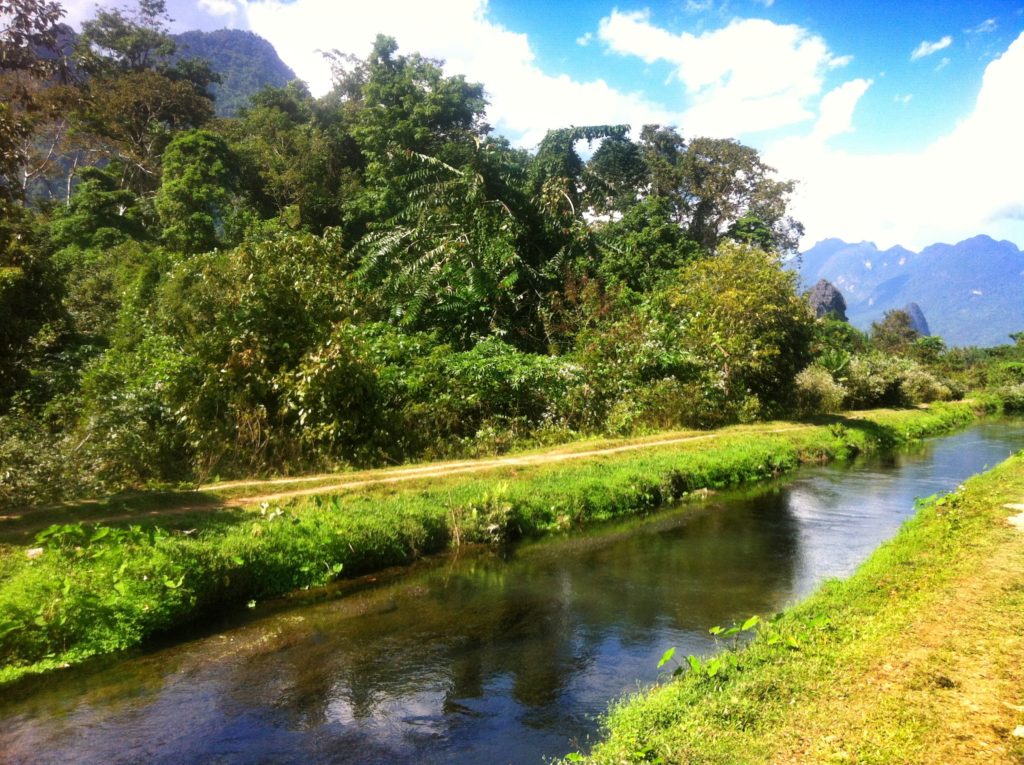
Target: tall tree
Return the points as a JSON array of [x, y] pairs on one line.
[[137, 95], [410, 107], [29, 53], [722, 182], [198, 191]]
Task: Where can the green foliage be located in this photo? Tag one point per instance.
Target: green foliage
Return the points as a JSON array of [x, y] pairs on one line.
[[100, 213], [817, 392], [741, 316], [31, 314], [373, 276], [645, 247], [614, 174], [895, 333], [197, 192]]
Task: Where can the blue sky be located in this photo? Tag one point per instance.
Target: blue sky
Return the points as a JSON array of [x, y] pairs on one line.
[[900, 120]]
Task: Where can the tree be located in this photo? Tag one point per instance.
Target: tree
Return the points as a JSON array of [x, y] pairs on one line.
[[722, 182], [895, 333], [100, 213], [742, 317], [662, 149], [615, 176], [28, 54], [644, 247], [409, 107], [456, 257], [298, 159], [198, 190], [137, 97]]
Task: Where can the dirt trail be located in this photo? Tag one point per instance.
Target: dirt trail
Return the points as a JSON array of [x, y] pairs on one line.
[[343, 482], [398, 475]]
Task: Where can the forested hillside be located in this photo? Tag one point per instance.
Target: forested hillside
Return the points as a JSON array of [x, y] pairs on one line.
[[245, 63], [373, 275]]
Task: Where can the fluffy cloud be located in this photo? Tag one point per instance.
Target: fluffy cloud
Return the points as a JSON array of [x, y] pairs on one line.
[[77, 11], [835, 114], [219, 7], [524, 100], [965, 183], [928, 48], [749, 76]]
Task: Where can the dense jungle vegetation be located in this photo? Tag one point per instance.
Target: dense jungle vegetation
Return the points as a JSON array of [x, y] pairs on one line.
[[375, 275]]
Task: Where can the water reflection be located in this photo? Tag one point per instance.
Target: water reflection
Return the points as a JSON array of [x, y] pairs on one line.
[[497, 657]]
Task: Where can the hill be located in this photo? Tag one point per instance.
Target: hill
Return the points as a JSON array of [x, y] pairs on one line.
[[972, 292], [245, 61]]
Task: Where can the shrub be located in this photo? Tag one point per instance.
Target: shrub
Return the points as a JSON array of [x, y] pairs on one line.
[[872, 380], [817, 392], [919, 386]]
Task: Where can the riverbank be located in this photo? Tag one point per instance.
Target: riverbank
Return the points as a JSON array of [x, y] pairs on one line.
[[917, 658], [78, 590]]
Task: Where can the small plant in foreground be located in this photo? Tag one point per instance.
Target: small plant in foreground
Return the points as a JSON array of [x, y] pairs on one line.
[[713, 666]]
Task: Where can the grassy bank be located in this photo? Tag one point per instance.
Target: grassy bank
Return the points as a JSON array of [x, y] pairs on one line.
[[918, 658], [81, 590]]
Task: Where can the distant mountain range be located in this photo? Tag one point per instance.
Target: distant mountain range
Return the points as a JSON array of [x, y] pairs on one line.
[[972, 292], [244, 60]]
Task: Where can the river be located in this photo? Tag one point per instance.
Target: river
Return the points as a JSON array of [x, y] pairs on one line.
[[492, 656]]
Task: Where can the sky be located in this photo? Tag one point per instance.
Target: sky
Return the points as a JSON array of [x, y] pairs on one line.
[[902, 121]]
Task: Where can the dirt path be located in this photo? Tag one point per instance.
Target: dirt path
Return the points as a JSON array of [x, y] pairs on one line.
[[398, 475], [205, 499]]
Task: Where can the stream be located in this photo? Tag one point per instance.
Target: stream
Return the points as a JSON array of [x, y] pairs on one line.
[[493, 656]]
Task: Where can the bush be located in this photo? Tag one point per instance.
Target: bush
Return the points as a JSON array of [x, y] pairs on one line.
[[919, 386], [817, 392], [1013, 398], [872, 380]]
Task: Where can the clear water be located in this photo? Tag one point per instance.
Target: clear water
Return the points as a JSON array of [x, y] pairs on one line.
[[489, 657]]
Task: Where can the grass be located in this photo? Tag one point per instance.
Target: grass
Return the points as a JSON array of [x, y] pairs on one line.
[[917, 658], [79, 590]]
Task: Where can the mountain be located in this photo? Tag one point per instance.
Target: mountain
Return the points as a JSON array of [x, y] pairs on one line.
[[972, 292], [245, 61]]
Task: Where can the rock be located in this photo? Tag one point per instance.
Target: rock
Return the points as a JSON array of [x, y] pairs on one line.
[[826, 299], [917, 320]]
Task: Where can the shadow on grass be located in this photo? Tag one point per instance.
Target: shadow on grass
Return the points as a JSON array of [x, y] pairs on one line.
[[884, 436], [171, 510]]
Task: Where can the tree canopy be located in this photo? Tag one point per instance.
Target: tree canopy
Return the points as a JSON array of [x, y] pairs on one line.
[[371, 275]]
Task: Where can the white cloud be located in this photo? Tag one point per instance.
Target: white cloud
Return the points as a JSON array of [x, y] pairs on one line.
[[835, 114], [988, 25], [219, 7], [902, 99], [77, 11], [524, 100], [942, 64], [966, 183], [585, 39], [928, 48], [749, 76], [766, 3]]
